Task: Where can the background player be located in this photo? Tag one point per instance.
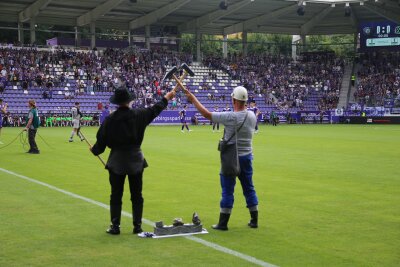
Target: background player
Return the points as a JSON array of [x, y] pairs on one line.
[[182, 117], [76, 122], [216, 109], [253, 107], [3, 111], [227, 108], [104, 114]]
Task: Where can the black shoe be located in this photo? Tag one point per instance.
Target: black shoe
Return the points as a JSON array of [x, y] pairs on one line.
[[254, 219], [220, 227], [83, 139], [34, 152], [113, 230], [223, 222], [252, 224], [137, 230]]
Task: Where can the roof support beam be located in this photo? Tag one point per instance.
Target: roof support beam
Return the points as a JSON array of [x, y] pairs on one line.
[[32, 30], [97, 12], [354, 19], [383, 12], [275, 29], [309, 25], [156, 15], [213, 16], [33, 10], [248, 25], [392, 5]]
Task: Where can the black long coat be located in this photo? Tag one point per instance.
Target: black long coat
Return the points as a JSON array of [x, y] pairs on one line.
[[123, 133]]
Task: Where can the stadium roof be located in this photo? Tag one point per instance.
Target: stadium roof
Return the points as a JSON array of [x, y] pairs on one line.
[[267, 16]]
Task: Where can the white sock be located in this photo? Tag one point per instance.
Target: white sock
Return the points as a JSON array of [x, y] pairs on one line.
[[72, 134]]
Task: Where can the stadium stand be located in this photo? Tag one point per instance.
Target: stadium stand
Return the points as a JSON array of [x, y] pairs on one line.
[[279, 83], [378, 80], [58, 78]]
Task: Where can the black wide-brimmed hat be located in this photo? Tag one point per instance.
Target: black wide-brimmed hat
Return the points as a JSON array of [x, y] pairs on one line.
[[121, 96]]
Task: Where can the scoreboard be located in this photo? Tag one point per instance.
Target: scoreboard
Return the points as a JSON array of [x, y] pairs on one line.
[[376, 35]]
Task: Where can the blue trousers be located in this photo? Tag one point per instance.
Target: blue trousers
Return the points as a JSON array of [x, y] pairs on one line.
[[246, 180]]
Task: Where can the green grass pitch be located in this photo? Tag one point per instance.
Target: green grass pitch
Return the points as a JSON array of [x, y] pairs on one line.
[[329, 196]]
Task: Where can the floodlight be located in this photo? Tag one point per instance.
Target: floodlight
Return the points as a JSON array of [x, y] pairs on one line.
[[223, 5], [301, 10], [347, 10]]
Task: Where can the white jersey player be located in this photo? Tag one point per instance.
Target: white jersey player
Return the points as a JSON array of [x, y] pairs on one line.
[[76, 122]]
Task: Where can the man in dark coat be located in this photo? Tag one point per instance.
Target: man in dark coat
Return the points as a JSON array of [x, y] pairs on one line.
[[123, 133]]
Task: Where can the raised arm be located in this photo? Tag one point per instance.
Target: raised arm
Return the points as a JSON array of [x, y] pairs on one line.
[[151, 113], [193, 99]]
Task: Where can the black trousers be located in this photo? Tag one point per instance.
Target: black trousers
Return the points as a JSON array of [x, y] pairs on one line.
[[31, 138], [117, 190], [216, 124]]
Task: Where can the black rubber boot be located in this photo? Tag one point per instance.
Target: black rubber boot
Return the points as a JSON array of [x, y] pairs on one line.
[[113, 230], [254, 219], [223, 222], [137, 211], [137, 228], [115, 213]]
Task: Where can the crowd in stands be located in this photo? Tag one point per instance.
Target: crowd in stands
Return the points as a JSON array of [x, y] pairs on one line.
[[283, 81], [378, 78], [10, 120], [140, 71]]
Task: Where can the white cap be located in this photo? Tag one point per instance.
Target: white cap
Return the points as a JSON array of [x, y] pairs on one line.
[[240, 93]]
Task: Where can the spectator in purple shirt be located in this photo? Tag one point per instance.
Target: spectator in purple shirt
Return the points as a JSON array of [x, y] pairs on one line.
[[104, 114]]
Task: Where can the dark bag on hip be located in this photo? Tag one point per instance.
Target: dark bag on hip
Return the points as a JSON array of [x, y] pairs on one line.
[[229, 158], [229, 154]]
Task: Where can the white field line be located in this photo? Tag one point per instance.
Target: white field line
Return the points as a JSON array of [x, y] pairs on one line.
[[192, 238]]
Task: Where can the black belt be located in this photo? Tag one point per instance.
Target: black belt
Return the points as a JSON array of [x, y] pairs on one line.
[[125, 148]]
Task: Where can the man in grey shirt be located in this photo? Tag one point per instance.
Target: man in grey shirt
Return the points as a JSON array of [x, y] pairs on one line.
[[231, 121]]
